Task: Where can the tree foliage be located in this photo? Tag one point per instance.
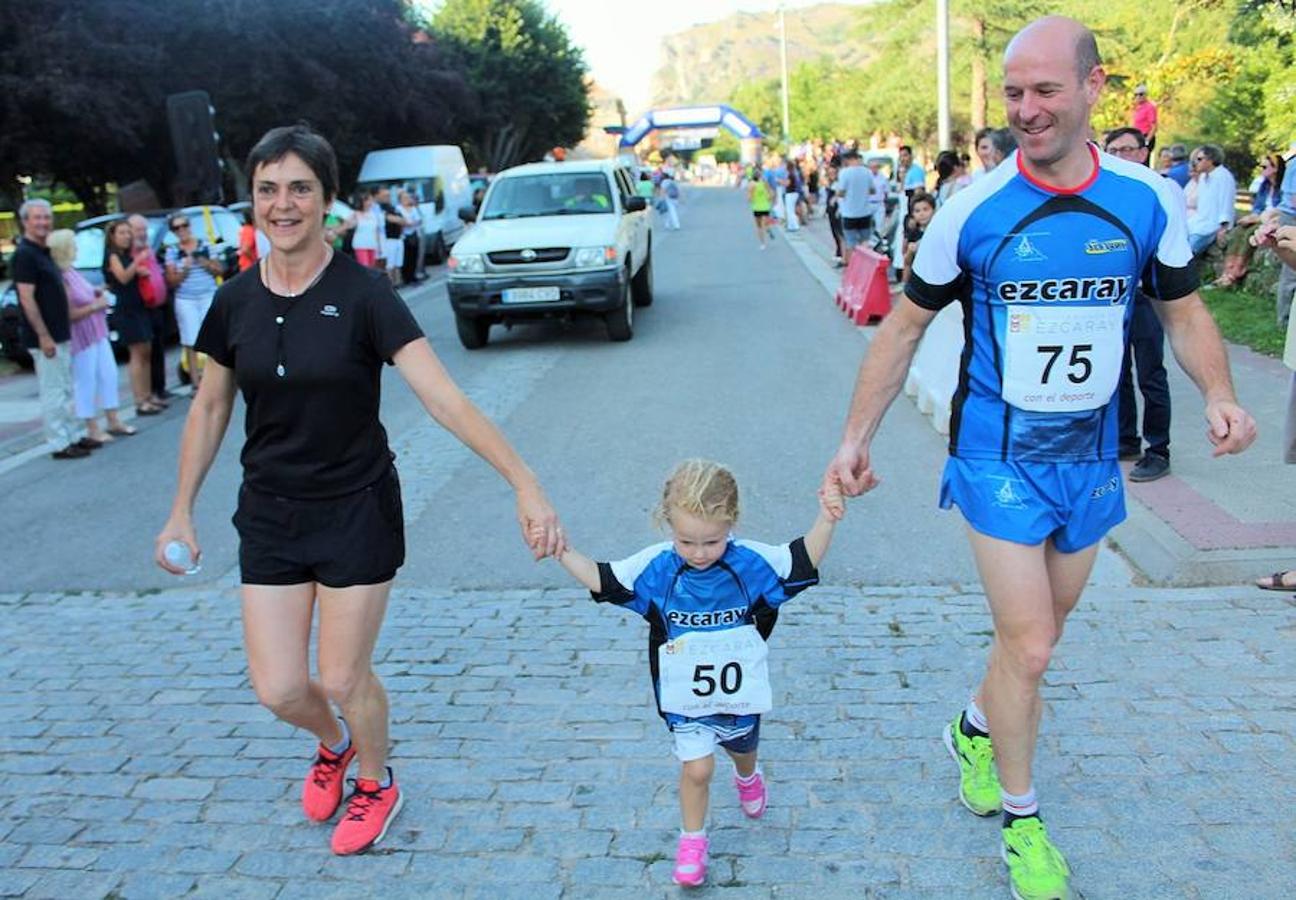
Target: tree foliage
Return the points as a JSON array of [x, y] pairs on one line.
[[528, 76], [83, 83], [1222, 71]]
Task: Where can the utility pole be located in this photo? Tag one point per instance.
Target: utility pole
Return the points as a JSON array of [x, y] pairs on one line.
[[942, 74], [787, 130]]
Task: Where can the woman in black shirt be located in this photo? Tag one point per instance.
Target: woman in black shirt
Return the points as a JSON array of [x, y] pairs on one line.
[[130, 317], [303, 336]]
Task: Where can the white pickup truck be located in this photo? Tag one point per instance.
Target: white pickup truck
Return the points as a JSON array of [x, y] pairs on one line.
[[554, 240]]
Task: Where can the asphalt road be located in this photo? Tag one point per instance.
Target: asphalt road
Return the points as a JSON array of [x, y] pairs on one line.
[[741, 358]]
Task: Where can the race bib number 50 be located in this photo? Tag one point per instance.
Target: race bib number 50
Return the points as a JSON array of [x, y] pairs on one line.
[[708, 672], [1062, 359]]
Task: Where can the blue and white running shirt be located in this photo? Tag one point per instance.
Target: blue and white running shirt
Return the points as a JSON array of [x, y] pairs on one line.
[[1046, 279], [746, 586]]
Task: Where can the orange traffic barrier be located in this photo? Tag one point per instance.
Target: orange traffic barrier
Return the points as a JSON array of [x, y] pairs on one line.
[[864, 295]]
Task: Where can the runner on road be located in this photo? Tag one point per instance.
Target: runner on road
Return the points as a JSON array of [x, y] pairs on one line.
[[1044, 254], [304, 335]]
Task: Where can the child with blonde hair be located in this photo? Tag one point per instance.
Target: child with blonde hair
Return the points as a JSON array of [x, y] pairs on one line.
[[711, 601]]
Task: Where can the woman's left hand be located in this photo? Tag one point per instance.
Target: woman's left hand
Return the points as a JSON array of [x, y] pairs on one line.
[[540, 526]]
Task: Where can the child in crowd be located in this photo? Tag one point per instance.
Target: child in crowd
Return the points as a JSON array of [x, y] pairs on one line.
[[711, 601], [921, 209]]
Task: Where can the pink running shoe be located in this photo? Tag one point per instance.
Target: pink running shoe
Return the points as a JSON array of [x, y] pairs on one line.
[[691, 861], [752, 796]]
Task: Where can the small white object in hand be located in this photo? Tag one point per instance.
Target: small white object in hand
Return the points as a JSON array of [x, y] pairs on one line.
[[177, 554]]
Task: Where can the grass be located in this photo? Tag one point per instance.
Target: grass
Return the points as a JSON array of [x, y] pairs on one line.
[[1246, 318]]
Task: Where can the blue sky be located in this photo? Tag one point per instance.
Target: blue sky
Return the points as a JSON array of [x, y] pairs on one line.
[[620, 38]]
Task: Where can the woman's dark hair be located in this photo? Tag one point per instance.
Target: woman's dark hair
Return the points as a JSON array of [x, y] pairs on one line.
[[309, 146], [109, 230], [1280, 169], [249, 218]]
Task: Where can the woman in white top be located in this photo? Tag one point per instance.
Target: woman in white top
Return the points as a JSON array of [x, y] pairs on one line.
[[412, 236], [365, 240], [192, 267]]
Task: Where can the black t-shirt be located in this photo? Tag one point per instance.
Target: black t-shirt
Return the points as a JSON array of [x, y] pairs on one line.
[[394, 229], [313, 431], [127, 293], [33, 265]]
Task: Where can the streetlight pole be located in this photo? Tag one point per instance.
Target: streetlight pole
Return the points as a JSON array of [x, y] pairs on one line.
[[787, 131], [943, 74]]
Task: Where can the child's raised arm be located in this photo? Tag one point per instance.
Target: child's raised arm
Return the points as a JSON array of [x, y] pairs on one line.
[[832, 506], [581, 567]]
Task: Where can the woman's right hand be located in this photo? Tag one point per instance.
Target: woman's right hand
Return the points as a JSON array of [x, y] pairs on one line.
[[176, 529]]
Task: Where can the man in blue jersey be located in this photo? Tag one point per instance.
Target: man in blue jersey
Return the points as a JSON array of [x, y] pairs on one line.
[[1044, 254]]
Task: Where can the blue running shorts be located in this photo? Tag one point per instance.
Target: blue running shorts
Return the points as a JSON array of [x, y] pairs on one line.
[[1075, 504]]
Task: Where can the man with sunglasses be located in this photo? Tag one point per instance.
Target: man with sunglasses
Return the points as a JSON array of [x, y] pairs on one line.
[[1146, 352]]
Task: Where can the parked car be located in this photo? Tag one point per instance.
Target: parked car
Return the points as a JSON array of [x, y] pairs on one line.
[[553, 240], [438, 177]]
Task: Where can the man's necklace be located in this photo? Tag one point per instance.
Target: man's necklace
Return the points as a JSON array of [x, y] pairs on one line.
[[319, 273]]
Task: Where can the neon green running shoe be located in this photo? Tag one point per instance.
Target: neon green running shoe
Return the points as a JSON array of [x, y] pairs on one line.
[[1036, 870], [978, 780]]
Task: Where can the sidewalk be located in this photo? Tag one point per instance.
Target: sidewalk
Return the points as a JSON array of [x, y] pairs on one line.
[[1211, 521]]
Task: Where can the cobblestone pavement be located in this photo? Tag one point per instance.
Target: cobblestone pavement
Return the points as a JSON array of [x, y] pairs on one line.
[[136, 763]]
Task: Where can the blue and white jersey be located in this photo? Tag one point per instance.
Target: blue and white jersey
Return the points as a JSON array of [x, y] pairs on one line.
[[1046, 279], [746, 586]]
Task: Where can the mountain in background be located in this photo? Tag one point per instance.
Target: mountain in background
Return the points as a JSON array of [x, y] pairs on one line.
[[704, 64]]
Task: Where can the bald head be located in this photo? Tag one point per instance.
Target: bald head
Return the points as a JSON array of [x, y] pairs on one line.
[[1057, 37]]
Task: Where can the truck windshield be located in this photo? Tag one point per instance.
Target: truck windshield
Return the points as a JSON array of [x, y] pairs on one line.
[[553, 194]]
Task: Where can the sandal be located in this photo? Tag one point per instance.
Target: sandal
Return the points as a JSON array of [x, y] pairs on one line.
[[1276, 582], [123, 431], [146, 409]]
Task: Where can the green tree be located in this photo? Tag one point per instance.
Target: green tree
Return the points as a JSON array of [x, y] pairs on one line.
[[528, 78]]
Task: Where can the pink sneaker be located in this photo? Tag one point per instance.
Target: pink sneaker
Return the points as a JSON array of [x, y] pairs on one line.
[[691, 861], [752, 796]]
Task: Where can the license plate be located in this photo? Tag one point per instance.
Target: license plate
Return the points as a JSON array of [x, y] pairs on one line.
[[531, 295]]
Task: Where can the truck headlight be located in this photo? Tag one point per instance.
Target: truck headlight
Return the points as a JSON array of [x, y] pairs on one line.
[[590, 257], [468, 264]]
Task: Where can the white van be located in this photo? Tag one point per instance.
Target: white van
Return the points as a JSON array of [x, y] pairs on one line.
[[437, 175]]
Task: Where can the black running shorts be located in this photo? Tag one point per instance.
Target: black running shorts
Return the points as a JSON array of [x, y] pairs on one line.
[[340, 542]]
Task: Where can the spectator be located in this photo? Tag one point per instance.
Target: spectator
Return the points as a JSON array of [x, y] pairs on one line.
[[1214, 214], [1143, 116], [854, 201], [393, 224], [1283, 241], [154, 272], [922, 206], [831, 200], [909, 175], [192, 267], [336, 228], [1266, 193], [46, 325], [1180, 171], [878, 200], [1287, 216], [367, 238], [988, 151], [94, 371], [248, 253], [1144, 351], [1164, 161], [122, 270], [951, 176], [411, 236]]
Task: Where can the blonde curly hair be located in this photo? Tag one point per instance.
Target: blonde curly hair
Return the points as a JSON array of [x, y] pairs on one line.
[[700, 488]]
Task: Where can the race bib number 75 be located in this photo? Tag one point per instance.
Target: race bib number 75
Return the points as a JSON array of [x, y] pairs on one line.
[[708, 672], [1062, 359]]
